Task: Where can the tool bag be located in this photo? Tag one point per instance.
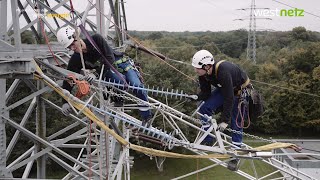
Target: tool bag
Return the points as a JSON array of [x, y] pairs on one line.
[[256, 107]]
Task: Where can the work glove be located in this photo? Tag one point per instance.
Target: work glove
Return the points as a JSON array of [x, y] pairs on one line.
[[222, 126], [89, 77], [66, 109], [192, 98]]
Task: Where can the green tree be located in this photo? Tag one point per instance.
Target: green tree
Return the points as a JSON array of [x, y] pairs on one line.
[[300, 33], [27, 37]]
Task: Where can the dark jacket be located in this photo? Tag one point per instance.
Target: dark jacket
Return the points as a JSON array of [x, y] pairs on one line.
[[230, 77], [92, 58]]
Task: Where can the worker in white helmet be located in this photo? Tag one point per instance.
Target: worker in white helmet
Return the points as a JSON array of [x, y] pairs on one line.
[[92, 59], [229, 82]]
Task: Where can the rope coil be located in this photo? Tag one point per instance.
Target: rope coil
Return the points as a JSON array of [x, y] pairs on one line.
[[83, 86]]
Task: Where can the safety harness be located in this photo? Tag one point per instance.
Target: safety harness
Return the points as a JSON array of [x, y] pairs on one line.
[[237, 89], [243, 92], [122, 60], [105, 60]]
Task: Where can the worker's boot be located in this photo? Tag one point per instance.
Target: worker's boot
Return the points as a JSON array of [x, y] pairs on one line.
[[146, 122], [234, 164]]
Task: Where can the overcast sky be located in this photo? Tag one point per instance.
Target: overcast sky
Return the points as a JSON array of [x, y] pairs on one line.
[[207, 15], [214, 15]]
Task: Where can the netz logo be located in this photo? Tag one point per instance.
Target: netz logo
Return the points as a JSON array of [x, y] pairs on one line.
[[279, 12]]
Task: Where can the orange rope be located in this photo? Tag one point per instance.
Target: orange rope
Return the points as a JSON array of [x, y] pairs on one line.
[[83, 86], [242, 116], [47, 40]]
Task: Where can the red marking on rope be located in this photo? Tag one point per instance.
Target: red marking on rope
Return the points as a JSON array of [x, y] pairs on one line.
[[47, 41], [242, 117]]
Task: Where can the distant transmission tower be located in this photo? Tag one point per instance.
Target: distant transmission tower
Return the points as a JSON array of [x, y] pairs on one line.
[[251, 47]]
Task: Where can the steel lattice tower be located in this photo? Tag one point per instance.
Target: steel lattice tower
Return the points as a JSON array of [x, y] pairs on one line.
[[251, 47]]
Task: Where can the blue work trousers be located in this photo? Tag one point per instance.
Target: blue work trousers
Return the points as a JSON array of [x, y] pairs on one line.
[[214, 102], [132, 78]]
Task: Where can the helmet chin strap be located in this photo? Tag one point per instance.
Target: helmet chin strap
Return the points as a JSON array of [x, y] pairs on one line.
[[207, 70]]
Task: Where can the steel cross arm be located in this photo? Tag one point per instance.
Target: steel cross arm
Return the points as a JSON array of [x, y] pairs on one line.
[[86, 171], [178, 115], [37, 19], [12, 88], [29, 151], [156, 91], [11, 23], [60, 109], [35, 156], [174, 125], [221, 148], [35, 137], [248, 176], [293, 171], [65, 165], [76, 146], [200, 170], [75, 165], [22, 123], [78, 14], [56, 134], [27, 18], [31, 96], [116, 20], [30, 85], [28, 168]]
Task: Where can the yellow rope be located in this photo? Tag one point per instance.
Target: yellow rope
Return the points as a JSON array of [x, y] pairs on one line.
[[148, 151]]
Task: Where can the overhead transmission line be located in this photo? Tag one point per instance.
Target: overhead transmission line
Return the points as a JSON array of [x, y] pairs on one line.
[[281, 87]]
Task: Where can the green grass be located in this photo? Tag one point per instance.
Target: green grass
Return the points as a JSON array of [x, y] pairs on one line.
[[145, 169]]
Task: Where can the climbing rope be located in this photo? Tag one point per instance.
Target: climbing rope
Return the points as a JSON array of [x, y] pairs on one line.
[[242, 113], [37, 10]]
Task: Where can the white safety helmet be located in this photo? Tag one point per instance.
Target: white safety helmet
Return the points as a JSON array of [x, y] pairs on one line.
[[202, 57], [65, 36]]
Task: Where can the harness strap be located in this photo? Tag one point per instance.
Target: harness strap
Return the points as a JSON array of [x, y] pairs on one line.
[[125, 69], [245, 84], [122, 60], [217, 66]]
